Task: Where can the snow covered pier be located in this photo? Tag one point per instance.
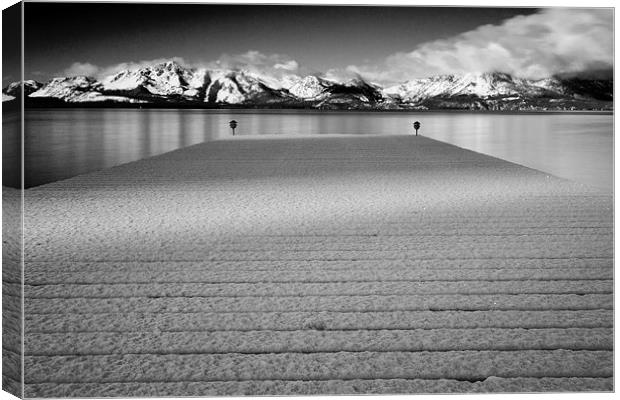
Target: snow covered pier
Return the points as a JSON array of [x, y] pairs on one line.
[[325, 264]]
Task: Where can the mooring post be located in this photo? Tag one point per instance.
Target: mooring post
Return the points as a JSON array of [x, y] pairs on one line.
[[233, 125]]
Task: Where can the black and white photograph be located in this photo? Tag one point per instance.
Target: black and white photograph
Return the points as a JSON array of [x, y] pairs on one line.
[[218, 199]]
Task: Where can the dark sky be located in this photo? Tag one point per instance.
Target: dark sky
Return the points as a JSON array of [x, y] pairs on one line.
[[319, 37], [11, 45]]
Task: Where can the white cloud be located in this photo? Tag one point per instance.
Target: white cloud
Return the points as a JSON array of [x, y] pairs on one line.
[[555, 40], [340, 75], [274, 65], [78, 68], [290, 65]]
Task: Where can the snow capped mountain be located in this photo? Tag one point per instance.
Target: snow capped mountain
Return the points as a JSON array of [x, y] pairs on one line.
[[243, 87], [77, 89], [355, 93], [223, 88], [481, 85], [171, 79], [163, 79], [172, 84], [230, 87], [499, 91], [14, 89], [68, 89], [310, 87]]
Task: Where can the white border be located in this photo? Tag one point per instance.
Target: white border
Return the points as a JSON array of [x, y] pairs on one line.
[[478, 3]]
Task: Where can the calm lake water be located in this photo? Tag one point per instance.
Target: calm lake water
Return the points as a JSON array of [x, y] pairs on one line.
[[60, 143]]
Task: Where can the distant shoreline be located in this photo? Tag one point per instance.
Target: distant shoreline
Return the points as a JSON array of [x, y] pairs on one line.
[[320, 111]]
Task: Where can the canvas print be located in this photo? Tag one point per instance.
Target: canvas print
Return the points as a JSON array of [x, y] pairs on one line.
[[251, 199]]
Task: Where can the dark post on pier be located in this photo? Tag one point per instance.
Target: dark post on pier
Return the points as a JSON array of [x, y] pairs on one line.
[[233, 125], [416, 126]]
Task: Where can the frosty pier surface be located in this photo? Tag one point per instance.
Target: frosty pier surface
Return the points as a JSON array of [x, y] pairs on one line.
[[326, 264]]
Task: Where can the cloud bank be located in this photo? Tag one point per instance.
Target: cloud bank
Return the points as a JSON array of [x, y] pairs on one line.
[[255, 61], [553, 41], [274, 66]]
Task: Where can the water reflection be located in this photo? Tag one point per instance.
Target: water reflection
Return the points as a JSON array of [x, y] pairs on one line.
[[578, 147], [63, 143], [60, 143]]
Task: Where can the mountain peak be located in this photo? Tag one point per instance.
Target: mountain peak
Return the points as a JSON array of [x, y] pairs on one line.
[[163, 79], [309, 87], [14, 89], [170, 65]]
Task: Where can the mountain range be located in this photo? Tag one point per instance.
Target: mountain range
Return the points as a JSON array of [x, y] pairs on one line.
[[170, 84]]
